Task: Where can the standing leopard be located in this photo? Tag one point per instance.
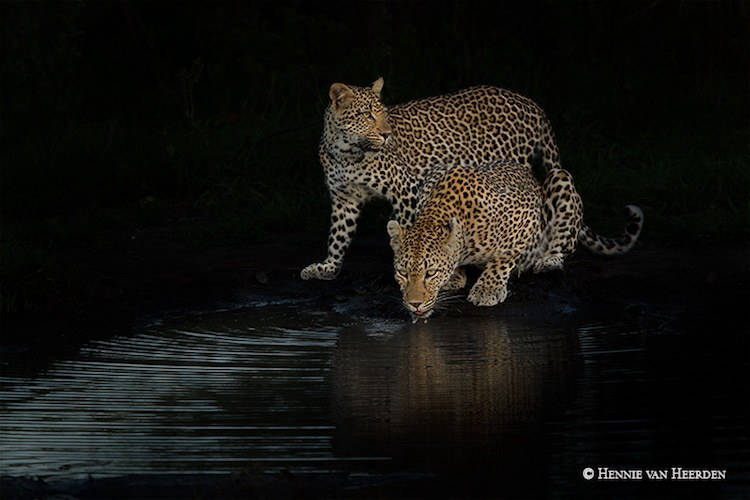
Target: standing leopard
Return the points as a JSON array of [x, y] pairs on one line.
[[369, 150], [496, 216]]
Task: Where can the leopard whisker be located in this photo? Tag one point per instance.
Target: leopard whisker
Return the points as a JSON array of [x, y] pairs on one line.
[[448, 297]]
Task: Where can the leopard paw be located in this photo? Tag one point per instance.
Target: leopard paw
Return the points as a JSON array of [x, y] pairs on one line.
[[549, 263], [485, 296], [319, 271]]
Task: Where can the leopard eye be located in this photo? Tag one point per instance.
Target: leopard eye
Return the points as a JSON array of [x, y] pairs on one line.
[[401, 273], [430, 273]]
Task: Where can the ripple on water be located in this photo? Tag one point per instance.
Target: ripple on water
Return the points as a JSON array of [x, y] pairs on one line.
[[266, 390], [173, 400]]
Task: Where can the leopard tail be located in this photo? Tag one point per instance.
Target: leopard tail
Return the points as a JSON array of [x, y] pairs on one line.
[[614, 246]]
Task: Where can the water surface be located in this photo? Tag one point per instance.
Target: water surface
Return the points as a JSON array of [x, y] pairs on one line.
[[496, 402]]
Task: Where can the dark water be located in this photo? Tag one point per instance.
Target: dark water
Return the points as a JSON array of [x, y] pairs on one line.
[[485, 404]]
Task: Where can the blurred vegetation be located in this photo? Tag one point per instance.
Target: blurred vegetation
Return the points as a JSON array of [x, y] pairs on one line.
[[123, 115]]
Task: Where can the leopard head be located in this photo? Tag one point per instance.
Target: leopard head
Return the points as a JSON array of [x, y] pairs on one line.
[[425, 256], [359, 116]]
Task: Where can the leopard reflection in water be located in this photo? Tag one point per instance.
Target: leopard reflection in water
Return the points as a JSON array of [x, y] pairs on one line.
[[445, 392]]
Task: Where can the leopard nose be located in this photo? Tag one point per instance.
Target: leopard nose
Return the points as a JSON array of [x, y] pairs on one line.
[[415, 305]]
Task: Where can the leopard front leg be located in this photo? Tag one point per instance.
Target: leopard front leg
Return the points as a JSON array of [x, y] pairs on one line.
[[344, 213], [492, 286], [457, 280], [563, 217]]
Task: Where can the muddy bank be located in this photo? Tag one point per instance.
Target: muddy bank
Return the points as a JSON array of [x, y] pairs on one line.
[[154, 274]]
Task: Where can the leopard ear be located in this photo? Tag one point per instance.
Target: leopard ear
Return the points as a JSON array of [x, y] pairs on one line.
[[394, 231], [341, 96], [377, 86], [453, 229]]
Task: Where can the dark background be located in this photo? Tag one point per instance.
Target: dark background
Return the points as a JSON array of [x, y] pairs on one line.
[[159, 156], [196, 125]]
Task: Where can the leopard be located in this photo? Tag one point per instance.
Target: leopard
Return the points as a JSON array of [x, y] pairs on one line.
[[496, 216], [369, 150]]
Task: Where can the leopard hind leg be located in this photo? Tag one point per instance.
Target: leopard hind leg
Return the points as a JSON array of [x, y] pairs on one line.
[[562, 219]]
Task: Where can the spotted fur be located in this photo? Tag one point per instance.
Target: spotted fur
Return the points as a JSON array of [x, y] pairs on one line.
[[368, 150], [496, 216]]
